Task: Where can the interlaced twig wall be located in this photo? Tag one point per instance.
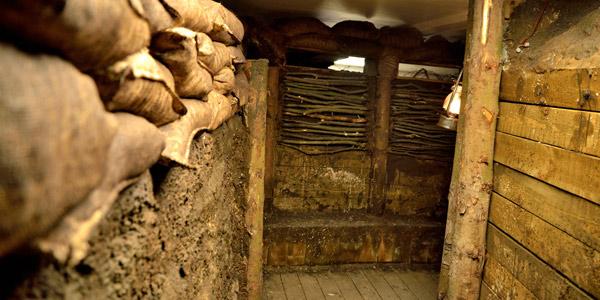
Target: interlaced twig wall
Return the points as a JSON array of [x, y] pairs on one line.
[[324, 112], [414, 114]]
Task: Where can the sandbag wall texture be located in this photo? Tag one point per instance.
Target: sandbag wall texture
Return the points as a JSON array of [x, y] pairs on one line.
[[109, 108], [185, 242]]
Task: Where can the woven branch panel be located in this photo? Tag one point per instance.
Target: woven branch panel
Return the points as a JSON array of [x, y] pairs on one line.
[[324, 112], [414, 114]]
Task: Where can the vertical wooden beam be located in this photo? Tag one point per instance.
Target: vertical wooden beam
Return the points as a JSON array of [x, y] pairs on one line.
[[451, 214], [272, 125], [387, 68], [472, 187], [257, 119]]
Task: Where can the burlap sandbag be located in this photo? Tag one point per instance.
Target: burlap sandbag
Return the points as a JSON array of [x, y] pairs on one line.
[[177, 48], [54, 140], [315, 41], [160, 15], [140, 85], [224, 81], [91, 34], [297, 26], [136, 146], [201, 116], [357, 29], [237, 54], [209, 17], [233, 31], [214, 56], [400, 37], [264, 41]]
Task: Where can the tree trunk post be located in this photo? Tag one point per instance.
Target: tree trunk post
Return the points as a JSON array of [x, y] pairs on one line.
[[472, 187], [257, 118], [451, 214], [387, 71], [272, 128]]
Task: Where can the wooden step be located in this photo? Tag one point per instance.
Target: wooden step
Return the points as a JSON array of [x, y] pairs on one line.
[[349, 238]]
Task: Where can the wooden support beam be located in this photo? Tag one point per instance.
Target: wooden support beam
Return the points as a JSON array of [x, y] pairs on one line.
[[388, 70], [472, 186], [272, 125], [257, 119]]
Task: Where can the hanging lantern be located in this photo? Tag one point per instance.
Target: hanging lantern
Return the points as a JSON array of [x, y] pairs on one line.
[[449, 118]]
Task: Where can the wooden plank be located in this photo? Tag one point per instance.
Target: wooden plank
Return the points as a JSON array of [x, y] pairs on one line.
[[399, 286], [363, 285], [574, 172], [562, 88], [271, 134], [346, 286], [428, 282], [574, 215], [502, 283], [310, 285], [577, 261], [328, 286], [292, 286], [415, 286], [565, 128], [537, 276], [274, 287], [257, 118], [384, 290]]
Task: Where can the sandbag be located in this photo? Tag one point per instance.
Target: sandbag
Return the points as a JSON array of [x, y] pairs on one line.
[[160, 15], [400, 37], [233, 29], [357, 29], [91, 34], [297, 26], [214, 56], [224, 81], [178, 50], [237, 54], [201, 116], [140, 85], [135, 148], [209, 17], [315, 41], [264, 41], [54, 139]]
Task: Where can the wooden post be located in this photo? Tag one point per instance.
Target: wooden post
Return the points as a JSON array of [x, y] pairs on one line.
[[451, 214], [272, 125], [257, 119], [387, 69], [472, 187]]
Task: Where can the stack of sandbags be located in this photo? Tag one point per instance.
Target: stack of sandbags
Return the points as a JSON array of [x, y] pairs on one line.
[[203, 54], [401, 37], [357, 29], [309, 33], [63, 157]]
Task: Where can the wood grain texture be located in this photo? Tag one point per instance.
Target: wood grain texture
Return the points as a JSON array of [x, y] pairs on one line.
[[273, 287], [565, 128], [384, 290], [537, 276], [502, 283], [574, 172], [292, 286], [311, 287], [574, 215], [363, 285], [571, 257], [346, 286], [399, 286], [562, 88]]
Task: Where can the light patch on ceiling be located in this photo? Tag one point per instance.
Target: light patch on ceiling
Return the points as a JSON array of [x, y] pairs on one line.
[[350, 64]]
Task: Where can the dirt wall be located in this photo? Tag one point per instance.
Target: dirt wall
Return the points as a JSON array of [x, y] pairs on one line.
[[179, 234]]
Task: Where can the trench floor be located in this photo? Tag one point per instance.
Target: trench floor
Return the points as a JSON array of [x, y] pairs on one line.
[[364, 284]]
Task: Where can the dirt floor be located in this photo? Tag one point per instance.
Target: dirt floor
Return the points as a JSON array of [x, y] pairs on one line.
[[187, 240]]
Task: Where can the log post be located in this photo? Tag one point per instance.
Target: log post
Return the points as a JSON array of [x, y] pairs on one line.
[[272, 125], [257, 119], [472, 187], [387, 69], [451, 214]]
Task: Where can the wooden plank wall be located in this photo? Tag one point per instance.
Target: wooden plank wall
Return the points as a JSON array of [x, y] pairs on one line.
[[543, 236]]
